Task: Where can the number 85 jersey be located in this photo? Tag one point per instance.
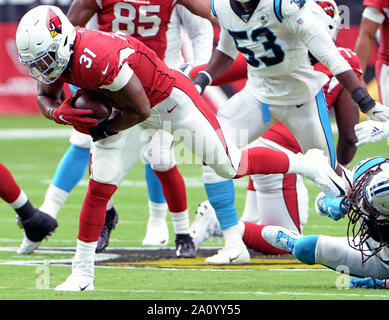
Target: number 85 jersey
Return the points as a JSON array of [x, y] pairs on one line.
[[269, 37], [145, 20]]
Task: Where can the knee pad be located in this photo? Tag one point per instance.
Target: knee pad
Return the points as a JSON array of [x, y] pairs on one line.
[[305, 248], [106, 171], [161, 158]]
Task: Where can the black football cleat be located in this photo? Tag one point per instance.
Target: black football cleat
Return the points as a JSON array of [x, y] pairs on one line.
[[39, 226], [185, 247], [111, 219]]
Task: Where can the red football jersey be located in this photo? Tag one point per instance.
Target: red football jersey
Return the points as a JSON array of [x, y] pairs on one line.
[[145, 20], [383, 7], [98, 57], [281, 134]]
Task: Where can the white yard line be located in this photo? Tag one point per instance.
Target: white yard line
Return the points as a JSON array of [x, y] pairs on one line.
[[343, 293], [7, 134]]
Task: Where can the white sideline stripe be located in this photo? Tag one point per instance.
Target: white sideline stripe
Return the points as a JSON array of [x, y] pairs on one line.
[[7, 134], [56, 133], [259, 293]]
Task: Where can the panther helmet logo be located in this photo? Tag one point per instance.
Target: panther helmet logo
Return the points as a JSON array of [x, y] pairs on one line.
[[299, 3], [53, 23]]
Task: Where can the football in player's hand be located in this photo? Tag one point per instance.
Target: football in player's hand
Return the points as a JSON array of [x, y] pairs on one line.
[[98, 102]]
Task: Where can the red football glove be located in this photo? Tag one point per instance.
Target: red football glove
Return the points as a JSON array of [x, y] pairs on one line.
[[65, 114]]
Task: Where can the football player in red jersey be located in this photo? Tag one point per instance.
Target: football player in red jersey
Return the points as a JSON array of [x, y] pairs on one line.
[[144, 90], [37, 225], [148, 22], [375, 18]]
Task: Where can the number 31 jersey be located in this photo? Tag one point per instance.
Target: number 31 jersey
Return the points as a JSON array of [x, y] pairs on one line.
[[145, 20], [278, 66]]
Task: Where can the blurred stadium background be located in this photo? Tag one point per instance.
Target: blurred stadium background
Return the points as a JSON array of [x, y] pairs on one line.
[[17, 90]]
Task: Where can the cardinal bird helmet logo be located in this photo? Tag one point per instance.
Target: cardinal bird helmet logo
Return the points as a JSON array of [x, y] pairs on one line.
[[53, 23]]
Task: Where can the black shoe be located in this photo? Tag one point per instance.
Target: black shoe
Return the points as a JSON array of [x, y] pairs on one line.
[[185, 247], [111, 219], [39, 226]]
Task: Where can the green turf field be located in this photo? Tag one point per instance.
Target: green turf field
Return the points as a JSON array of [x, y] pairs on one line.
[[33, 161]]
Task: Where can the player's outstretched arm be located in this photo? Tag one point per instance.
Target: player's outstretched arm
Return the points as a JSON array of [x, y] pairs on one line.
[[347, 116], [81, 11], [216, 66], [320, 44], [373, 109], [367, 32], [200, 8], [222, 58]]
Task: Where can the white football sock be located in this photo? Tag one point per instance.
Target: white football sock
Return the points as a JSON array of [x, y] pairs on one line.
[[157, 211], [181, 222], [54, 200], [233, 236], [20, 201], [84, 259]]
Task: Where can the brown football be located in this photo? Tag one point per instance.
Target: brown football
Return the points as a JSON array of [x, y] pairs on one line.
[[98, 102]]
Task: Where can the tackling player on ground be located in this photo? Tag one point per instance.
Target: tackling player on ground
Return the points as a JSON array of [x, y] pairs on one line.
[[365, 250]]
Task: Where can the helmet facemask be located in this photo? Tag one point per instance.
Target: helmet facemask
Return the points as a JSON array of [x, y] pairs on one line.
[[46, 67], [365, 221]]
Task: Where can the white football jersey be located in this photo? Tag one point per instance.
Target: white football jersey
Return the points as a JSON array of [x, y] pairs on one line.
[[188, 35], [274, 36]]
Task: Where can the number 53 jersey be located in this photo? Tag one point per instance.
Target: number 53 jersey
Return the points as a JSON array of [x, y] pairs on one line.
[[269, 37]]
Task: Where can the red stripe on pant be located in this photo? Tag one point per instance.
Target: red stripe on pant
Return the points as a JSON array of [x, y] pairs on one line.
[[250, 186], [262, 160], [92, 216], [252, 238], [185, 84], [289, 191], [173, 187]]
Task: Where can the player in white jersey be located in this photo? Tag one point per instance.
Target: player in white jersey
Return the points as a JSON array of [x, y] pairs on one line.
[[275, 37], [365, 250], [189, 41]]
